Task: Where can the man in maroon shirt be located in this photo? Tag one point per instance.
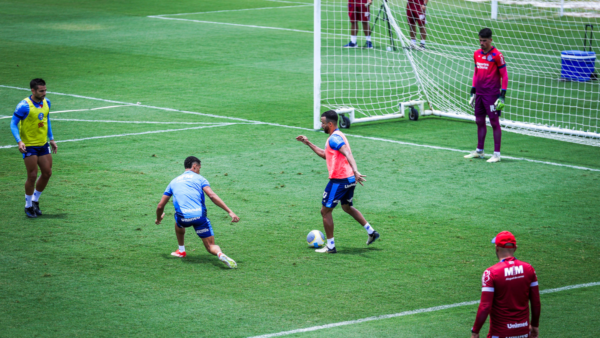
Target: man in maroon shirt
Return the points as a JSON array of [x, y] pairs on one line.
[[359, 11], [507, 289], [415, 14]]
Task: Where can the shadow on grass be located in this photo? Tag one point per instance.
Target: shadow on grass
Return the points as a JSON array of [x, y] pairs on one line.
[[357, 251], [54, 215], [201, 258]]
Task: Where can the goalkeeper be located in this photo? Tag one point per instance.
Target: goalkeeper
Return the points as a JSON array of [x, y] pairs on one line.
[[490, 82]]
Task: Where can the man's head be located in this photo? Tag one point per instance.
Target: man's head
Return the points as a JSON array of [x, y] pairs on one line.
[[485, 39], [329, 120], [506, 244], [38, 89], [192, 163]]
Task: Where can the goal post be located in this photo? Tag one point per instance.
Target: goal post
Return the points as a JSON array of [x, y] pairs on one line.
[[376, 84]]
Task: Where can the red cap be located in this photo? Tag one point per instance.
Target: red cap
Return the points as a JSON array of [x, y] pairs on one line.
[[504, 239]]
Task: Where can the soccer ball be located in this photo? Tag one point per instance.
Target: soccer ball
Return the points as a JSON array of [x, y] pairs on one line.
[[315, 239]]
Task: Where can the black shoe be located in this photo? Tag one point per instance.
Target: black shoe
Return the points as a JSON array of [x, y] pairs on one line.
[[373, 237], [36, 207], [30, 212]]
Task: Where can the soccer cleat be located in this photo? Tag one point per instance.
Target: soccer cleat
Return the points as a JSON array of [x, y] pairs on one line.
[[30, 212], [373, 237], [475, 154], [422, 46], [178, 254], [36, 207], [369, 45], [351, 45], [325, 249], [229, 262], [495, 158]]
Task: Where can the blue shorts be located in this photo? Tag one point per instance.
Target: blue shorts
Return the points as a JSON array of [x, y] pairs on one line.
[[339, 190], [37, 151], [200, 224]]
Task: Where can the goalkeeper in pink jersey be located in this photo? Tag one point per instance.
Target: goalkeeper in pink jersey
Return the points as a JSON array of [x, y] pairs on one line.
[[343, 175], [490, 81]]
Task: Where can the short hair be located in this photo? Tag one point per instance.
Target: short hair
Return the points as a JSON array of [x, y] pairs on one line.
[[36, 82], [485, 33], [330, 116], [189, 162]]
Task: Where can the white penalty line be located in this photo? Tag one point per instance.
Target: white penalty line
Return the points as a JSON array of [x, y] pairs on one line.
[[408, 313], [232, 10], [131, 134], [230, 24], [134, 122], [301, 128]]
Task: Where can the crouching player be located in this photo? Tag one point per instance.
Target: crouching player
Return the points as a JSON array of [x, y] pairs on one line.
[[190, 211]]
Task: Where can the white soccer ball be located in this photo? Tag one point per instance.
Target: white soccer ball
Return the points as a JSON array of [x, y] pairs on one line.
[[315, 239], [389, 49]]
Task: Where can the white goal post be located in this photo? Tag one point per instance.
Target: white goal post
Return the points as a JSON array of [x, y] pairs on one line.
[[381, 83]]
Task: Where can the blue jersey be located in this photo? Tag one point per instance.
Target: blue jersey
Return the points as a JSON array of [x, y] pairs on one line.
[[188, 196]]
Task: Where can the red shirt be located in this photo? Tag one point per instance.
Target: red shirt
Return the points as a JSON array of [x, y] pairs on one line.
[[415, 5], [357, 2], [507, 289], [490, 69]]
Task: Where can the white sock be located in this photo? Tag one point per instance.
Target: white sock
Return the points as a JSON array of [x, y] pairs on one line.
[[28, 201], [330, 243], [36, 195], [369, 38], [414, 42], [353, 38], [368, 228], [182, 248], [497, 153], [422, 42], [479, 150]]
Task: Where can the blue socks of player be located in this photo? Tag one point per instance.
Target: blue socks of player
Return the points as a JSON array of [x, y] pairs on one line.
[[368, 228], [28, 199], [36, 195], [330, 243]]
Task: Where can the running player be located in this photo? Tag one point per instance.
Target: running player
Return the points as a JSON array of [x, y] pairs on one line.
[[30, 125], [359, 11], [508, 287], [415, 14], [190, 211], [486, 97], [343, 175]]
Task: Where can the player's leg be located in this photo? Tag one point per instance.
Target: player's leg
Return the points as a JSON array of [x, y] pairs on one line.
[[495, 122], [32, 170], [367, 31], [209, 244], [348, 207], [352, 14], [327, 214], [45, 164], [480, 114], [180, 233], [412, 28], [422, 30]]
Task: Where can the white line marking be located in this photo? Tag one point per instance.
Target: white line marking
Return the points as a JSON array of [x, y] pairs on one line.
[[5, 117], [89, 109], [231, 10], [230, 24], [407, 313], [301, 128], [291, 2], [131, 134], [133, 122]]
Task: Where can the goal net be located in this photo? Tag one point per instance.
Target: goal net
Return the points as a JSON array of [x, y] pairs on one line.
[[542, 99]]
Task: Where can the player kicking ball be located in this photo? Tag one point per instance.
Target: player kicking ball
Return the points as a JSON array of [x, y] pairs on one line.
[[190, 211], [490, 81], [343, 175]]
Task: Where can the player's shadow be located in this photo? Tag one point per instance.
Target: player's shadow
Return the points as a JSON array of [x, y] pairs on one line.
[[63, 215], [357, 251], [202, 258]]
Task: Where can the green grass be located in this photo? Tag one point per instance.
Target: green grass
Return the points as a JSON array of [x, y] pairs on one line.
[[96, 265]]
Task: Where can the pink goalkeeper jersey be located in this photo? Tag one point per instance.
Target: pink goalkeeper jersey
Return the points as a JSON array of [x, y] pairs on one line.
[[490, 72], [337, 164]]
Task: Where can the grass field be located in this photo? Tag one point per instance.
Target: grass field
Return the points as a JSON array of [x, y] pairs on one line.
[[96, 265]]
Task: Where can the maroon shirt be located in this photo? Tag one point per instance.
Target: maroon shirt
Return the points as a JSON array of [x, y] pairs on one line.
[[415, 5]]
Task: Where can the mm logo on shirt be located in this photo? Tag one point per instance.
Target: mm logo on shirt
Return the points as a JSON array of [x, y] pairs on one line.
[[513, 270]]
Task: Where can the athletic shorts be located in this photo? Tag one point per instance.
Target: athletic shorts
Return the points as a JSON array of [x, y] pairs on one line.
[[484, 106], [339, 190], [415, 17], [200, 224], [37, 151], [358, 12]]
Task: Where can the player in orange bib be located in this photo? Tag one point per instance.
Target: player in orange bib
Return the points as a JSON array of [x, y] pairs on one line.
[[343, 176]]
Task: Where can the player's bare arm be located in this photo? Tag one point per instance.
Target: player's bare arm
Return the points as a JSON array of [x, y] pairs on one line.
[[474, 335], [160, 209], [219, 202], [53, 146], [320, 152], [348, 153]]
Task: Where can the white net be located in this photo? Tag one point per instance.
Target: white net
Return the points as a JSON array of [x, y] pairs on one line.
[[530, 34]]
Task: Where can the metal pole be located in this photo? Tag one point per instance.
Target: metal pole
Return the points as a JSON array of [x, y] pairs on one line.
[[494, 9], [317, 67]]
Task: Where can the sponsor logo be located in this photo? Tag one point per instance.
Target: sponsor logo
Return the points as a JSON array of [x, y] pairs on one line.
[[513, 270], [41, 116], [325, 195], [486, 277], [482, 65], [350, 185], [201, 231], [517, 325], [191, 210], [190, 219], [521, 336]]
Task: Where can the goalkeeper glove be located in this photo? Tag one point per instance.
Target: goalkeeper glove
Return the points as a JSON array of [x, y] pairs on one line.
[[499, 105], [472, 99]]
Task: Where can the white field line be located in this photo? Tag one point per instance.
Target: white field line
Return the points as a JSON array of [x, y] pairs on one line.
[[407, 313], [291, 2], [130, 134], [304, 129], [233, 10], [230, 24], [132, 122]]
